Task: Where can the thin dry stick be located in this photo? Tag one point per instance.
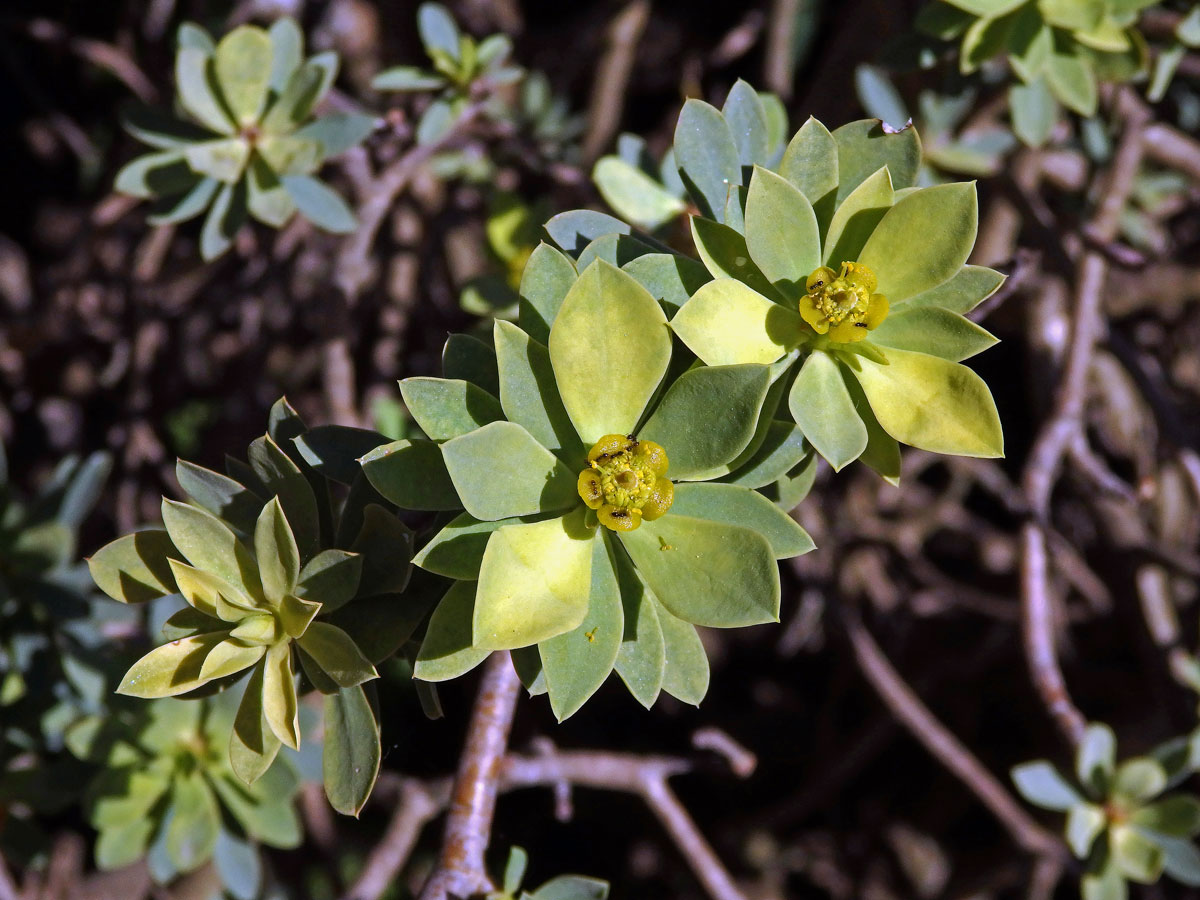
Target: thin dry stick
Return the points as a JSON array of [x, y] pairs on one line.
[[461, 871], [612, 77], [353, 268], [417, 803], [643, 776], [777, 65], [1059, 434], [8, 887], [937, 739]]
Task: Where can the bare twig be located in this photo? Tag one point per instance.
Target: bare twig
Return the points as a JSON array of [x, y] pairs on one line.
[[1064, 429], [937, 739], [417, 803], [105, 56], [460, 871], [1171, 147], [778, 70], [353, 269], [644, 776], [612, 77], [8, 887]]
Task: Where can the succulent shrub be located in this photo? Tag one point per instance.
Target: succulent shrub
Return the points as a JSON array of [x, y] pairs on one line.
[[599, 523], [1124, 820], [814, 266], [248, 142], [275, 581], [1059, 50], [55, 651], [167, 792]]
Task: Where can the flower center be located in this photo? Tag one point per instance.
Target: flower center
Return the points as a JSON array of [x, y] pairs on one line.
[[843, 305], [625, 482]]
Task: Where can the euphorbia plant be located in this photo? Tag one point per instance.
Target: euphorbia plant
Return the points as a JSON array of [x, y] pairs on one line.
[[250, 142], [277, 580], [834, 259], [594, 529]]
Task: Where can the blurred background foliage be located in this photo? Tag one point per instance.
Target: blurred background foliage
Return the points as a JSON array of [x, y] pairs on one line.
[[120, 350]]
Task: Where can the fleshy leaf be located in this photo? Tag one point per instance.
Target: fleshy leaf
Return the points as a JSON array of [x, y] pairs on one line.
[[577, 662], [610, 347], [734, 505], [171, 669], [726, 323], [134, 568], [824, 410], [351, 756], [686, 674], [500, 471], [411, 474], [446, 408], [528, 391], [781, 231], [697, 442], [946, 217], [533, 583], [707, 156], [446, 652], [707, 573], [932, 404]]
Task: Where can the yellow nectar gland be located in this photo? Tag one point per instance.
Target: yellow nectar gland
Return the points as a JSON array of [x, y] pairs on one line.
[[843, 306], [625, 482]]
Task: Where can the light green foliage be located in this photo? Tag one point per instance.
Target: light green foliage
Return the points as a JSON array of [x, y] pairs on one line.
[[908, 384], [544, 572], [563, 887], [1124, 820], [167, 789], [55, 660], [951, 144], [250, 144], [1059, 50], [277, 581]]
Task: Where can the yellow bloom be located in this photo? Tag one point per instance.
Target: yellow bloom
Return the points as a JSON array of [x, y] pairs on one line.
[[625, 482], [843, 306]]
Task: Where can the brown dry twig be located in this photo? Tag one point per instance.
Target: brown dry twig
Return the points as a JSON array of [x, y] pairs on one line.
[[907, 707], [1060, 433], [612, 77], [460, 870]]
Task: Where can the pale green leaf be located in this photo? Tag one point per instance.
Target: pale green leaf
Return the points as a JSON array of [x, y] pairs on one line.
[[707, 573], [946, 217], [932, 404], [447, 651], [697, 442], [533, 583], [610, 347], [726, 323], [500, 471], [823, 408], [577, 662]]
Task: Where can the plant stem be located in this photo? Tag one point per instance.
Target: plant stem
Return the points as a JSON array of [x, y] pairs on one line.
[[461, 871]]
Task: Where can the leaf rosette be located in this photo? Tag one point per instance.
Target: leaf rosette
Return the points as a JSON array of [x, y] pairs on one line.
[[274, 584], [833, 264], [1059, 50], [541, 565], [167, 792], [1124, 820], [249, 144]]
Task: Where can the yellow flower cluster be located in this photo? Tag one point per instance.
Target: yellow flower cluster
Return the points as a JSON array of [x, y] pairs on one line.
[[843, 306], [625, 482]]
